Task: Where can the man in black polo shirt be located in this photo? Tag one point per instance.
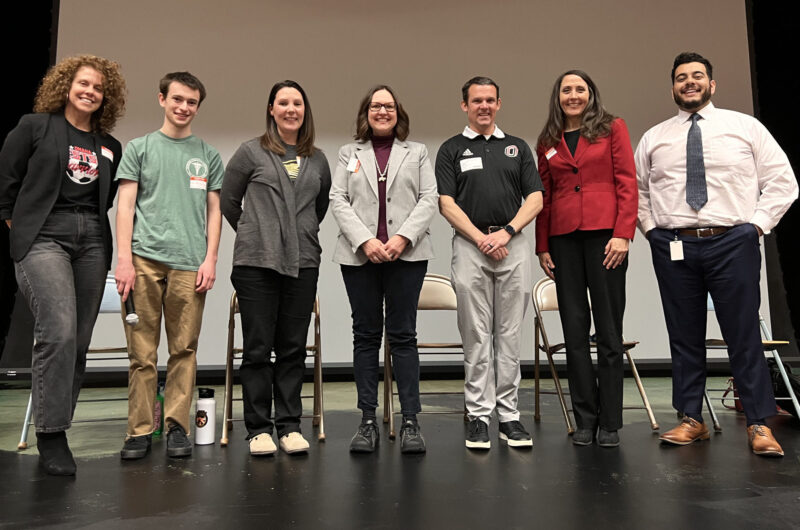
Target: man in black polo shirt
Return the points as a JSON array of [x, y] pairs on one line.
[[483, 176]]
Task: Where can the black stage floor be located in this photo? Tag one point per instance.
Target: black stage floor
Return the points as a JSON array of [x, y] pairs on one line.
[[714, 484]]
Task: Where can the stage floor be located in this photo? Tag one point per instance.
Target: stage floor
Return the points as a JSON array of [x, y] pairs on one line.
[[641, 484]]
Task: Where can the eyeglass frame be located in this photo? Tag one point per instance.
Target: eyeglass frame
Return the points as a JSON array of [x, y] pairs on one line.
[[376, 107]]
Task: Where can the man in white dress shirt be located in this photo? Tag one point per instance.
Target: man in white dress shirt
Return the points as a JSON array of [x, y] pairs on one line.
[[711, 182]]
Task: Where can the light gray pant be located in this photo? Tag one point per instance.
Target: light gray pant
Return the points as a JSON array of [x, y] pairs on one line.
[[492, 299]]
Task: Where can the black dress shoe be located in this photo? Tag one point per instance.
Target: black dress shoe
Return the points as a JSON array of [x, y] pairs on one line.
[[55, 458]]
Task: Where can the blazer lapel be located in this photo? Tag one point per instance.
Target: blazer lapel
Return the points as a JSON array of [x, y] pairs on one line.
[[366, 156], [564, 152], [583, 143], [59, 124], [396, 157], [104, 167]]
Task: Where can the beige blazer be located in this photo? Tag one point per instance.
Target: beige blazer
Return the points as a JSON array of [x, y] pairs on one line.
[[411, 200]]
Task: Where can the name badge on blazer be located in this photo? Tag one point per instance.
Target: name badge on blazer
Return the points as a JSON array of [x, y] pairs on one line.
[[106, 152], [550, 153], [353, 165]]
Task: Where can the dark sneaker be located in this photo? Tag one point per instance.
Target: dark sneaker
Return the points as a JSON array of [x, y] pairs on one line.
[[55, 457], [478, 435], [607, 438], [136, 447], [178, 443], [515, 434], [583, 437], [366, 438], [411, 440]]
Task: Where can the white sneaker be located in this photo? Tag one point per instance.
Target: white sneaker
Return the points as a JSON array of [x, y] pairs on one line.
[[294, 443], [262, 444]]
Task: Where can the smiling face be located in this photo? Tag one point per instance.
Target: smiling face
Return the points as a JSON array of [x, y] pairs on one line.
[[573, 98], [691, 88], [180, 106], [86, 92], [288, 111], [382, 113], [481, 106]]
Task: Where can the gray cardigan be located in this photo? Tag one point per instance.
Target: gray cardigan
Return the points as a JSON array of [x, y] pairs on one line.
[[276, 221]]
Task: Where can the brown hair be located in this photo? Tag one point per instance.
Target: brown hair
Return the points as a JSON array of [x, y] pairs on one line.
[[364, 131], [54, 90], [271, 140], [595, 122], [184, 78]]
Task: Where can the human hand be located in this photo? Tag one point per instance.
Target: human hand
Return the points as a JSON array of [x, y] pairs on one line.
[[374, 250], [395, 246], [125, 276], [494, 241], [206, 276], [615, 251], [547, 265]]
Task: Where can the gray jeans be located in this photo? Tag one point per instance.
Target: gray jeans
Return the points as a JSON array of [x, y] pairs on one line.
[[62, 277]]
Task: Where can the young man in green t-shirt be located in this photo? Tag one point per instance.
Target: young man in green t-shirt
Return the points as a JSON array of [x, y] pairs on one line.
[[168, 228]]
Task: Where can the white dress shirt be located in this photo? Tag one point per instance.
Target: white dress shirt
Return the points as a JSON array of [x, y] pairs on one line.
[[748, 176]]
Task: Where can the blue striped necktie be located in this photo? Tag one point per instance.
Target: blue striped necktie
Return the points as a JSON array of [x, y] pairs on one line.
[[696, 193]]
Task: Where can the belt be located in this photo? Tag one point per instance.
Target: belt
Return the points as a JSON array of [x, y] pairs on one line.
[[76, 209], [703, 232], [490, 229]]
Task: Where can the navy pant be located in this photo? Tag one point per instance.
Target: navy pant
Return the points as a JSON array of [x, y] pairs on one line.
[[399, 283], [276, 312], [596, 395], [727, 267]]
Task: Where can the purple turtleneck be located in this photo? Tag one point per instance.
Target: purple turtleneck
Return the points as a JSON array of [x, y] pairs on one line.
[[382, 146]]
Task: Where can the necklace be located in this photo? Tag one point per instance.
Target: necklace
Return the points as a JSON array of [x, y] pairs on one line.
[[381, 174]]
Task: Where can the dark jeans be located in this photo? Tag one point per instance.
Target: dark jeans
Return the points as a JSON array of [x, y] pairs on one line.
[[727, 266], [62, 277], [578, 257], [276, 312], [399, 283]]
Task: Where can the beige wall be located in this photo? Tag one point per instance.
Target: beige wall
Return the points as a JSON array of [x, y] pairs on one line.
[[425, 50]]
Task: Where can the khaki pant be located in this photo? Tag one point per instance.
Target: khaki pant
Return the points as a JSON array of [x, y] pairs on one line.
[[160, 287]]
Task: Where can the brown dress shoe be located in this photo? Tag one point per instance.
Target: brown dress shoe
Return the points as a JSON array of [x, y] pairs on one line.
[[687, 431], [762, 442]]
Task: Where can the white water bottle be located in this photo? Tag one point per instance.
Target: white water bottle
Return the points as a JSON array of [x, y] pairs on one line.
[[205, 417]]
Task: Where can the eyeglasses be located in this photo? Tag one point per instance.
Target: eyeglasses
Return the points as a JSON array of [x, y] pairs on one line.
[[376, 107]]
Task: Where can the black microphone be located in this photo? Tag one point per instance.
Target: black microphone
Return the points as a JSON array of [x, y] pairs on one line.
[[131, 318]]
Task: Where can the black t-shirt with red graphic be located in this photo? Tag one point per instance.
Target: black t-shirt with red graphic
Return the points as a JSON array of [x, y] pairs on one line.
[[79, 187]]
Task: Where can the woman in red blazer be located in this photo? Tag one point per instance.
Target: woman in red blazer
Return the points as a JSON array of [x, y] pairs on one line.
[[582, 237]]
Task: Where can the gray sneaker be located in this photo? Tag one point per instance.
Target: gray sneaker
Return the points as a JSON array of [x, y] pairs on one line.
[[411, 440], [607, 438], [366, 438], [583, 437]]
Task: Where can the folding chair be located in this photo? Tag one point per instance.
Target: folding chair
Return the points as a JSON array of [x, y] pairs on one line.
[[110, 304], [437, 295], [544, 299], [234, 353], [769, 345]]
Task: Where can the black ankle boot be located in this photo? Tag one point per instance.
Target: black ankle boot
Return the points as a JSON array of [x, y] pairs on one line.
[[55, 458]]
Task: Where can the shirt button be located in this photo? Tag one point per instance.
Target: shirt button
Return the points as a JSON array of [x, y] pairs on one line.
[[577, 188], [575, 170], [389, 221], [388, 199]]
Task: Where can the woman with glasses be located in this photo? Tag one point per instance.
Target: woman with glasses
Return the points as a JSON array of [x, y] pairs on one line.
[[582, 238], [57, 172], [384, 198], [275, 195]]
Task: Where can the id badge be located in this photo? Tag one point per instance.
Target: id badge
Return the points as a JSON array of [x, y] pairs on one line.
[[353, 165], [676, 250]]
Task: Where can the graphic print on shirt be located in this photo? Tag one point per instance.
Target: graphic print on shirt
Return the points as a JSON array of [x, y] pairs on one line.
[[82, 165], [292, 168], [197, 170]]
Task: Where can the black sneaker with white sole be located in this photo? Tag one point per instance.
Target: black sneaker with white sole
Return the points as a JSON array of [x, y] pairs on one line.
[[515, 434], [478, 435]]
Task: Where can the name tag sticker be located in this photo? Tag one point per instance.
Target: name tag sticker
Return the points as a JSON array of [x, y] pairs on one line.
[[354, 165], [198, 183], [550, 153], [676, 250], [469, 164], [106, 152]]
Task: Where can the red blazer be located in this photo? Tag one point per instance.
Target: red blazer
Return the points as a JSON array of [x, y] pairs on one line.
[[595, 190]]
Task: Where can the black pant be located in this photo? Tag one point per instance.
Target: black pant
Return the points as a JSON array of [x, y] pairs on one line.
[[275, 311], [727, 266], [399, 283], [8, 286], [578, 259]]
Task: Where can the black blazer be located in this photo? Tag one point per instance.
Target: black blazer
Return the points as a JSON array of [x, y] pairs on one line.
[[32, 164]]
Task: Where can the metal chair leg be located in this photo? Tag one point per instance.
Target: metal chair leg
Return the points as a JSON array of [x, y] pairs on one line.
[[537, 415], [23, 438], [645, 401], [714, 418]]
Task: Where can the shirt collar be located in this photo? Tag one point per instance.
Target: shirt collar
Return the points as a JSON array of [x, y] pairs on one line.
[[704, 113], [469, 133]]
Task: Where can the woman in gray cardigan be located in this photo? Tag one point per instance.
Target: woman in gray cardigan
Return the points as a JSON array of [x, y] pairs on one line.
[[384, 198], [274, 195]]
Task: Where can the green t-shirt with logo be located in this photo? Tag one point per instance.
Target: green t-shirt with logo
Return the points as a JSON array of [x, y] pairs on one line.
[[174, 176]]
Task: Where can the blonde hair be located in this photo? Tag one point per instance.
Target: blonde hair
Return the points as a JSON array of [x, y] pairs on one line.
[[54, 90]]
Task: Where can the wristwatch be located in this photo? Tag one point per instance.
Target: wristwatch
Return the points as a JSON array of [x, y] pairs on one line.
[[510, 230]]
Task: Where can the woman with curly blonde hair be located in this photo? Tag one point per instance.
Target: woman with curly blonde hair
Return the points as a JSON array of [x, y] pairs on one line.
[[56, 185]]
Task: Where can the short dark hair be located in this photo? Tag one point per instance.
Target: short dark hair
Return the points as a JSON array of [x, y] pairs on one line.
[[184, 78], [271, 139], [478, 80], [691, 57], [364, 131]]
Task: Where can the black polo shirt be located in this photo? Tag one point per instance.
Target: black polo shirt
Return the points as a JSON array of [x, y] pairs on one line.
[[487, 178]]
